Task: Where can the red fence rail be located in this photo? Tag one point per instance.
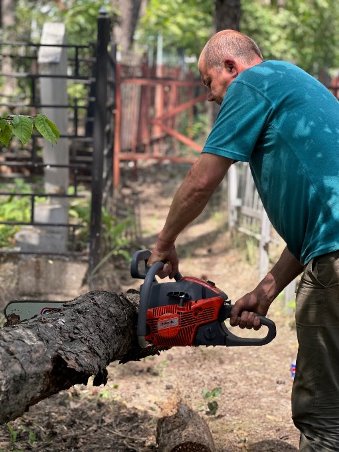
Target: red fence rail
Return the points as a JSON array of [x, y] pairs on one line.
[[155, 115]]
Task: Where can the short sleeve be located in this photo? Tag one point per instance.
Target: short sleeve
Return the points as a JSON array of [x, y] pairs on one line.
[[242, 118]]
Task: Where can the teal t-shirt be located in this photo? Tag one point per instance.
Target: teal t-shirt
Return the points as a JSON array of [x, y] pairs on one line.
[[286, 125]]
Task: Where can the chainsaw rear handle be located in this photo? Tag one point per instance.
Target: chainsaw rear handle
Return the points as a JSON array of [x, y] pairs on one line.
[[233, 340]]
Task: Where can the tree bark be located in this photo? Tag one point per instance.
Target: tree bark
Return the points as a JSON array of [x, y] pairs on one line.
[[184, 431], [124, 31], [52, 352]]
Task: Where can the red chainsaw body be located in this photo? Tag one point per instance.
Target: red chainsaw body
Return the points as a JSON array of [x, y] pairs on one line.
[[175, 325], [187, 312]]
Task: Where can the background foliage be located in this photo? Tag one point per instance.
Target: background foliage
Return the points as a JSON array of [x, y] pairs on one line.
[[79, 16], [184, 24], [305, 32]]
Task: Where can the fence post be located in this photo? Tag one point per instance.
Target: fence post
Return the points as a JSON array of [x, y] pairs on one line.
[[290, 295], [110, 127], [233, 201], [265, 238], [99, 137]]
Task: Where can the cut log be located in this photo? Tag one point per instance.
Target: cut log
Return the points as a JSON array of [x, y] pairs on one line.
[[184, 431], [52, 352]]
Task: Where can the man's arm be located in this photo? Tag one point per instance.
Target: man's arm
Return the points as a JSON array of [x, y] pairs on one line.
[[188, 202], [259, 300]]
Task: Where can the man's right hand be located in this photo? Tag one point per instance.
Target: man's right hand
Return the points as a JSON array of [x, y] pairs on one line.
[[246, 310], [165, 252]]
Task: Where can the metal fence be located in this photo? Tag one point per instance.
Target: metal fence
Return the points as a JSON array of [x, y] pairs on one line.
[[89, 111], [160, 115]]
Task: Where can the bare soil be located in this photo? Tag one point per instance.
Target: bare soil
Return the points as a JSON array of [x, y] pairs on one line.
[[243, 392]]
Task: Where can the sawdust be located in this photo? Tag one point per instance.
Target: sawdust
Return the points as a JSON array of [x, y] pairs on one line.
[[243, 393]]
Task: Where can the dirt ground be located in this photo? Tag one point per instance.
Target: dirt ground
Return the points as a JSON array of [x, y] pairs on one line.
[[243, 393]]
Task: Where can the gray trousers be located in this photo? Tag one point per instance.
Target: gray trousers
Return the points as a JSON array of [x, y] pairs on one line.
[[315, 394]]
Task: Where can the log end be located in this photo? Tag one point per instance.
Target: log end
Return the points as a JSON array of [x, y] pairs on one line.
[[184, 431]]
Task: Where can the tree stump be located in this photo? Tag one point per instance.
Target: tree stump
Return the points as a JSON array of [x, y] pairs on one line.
[[184, 431]]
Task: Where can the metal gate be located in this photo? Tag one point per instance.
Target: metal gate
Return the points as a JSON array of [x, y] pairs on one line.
[[156, 116], [89, 131]]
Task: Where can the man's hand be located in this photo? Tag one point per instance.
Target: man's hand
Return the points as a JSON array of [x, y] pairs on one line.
[[245, 310], [165, 252], [259, 300]]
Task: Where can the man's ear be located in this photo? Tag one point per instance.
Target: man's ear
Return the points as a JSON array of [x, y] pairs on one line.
[[231, 67]]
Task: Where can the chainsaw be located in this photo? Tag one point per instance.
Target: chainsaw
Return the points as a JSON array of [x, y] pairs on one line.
[[186, 312], [21, 310]]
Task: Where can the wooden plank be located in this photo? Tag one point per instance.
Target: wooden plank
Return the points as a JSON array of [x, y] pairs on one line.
[[180, 137], [265, 238], [251, 212], [248, 232], [148, 156], [156, 81], [180, 108], [233, 200]]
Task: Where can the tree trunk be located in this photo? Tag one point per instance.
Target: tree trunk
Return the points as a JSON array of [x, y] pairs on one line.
[[227, 14], [52, 352], [184, 431], [124, 31]]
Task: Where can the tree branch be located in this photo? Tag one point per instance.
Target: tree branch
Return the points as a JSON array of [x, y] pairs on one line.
[[52, 352]]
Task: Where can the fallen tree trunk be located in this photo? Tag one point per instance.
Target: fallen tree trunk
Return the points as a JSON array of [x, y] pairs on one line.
[[52, 352], [185, 431]]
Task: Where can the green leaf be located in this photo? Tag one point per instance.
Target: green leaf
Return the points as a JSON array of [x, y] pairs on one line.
[[5, 132], [22, 127], [15, 120], [46, 128], [215, 392]]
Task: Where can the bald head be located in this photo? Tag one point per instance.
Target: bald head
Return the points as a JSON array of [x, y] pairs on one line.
[[230, 44]]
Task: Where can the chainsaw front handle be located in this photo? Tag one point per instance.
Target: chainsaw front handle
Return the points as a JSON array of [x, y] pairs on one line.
[[140, 256], [143, 256], [148, 274], [144, 300]]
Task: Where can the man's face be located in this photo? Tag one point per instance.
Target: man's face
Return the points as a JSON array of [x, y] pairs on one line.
[[216, 79]]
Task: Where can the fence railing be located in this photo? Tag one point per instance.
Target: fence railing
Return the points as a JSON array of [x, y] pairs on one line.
[[88, 107], [156, 110], [247, 215]]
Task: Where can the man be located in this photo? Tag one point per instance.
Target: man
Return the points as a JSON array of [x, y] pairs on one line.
[[286, 125]]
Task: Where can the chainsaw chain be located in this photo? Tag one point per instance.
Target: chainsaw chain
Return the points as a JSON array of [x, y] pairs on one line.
[[139, 353]]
